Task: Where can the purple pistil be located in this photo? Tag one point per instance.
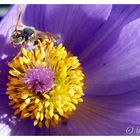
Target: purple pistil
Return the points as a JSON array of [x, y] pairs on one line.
[[39, 79]]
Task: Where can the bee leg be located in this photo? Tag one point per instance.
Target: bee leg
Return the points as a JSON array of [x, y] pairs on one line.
[[47, 60]]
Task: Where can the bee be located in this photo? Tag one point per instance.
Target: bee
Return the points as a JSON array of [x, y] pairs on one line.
[[29, 37]]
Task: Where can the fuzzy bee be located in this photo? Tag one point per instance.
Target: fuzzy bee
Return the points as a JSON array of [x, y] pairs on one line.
[[29, 37]]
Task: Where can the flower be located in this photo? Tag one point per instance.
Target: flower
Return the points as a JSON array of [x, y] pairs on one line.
[[105, 38]]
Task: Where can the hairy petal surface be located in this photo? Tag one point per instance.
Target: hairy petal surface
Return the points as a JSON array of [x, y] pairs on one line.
[[116, 70]]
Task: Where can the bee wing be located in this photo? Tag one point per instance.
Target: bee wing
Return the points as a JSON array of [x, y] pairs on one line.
[[56, 37], [48, 35]]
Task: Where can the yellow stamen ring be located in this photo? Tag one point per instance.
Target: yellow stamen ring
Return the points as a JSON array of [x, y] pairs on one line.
[[57, 103]]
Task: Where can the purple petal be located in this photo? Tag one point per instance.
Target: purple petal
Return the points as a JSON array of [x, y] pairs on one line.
[[103, 115], [75, 23], [113, 66]]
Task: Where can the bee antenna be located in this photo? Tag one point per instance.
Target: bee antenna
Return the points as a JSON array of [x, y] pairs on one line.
[[19, 15]]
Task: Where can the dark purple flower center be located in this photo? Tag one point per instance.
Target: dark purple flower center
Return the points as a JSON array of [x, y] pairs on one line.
[[39, 79]]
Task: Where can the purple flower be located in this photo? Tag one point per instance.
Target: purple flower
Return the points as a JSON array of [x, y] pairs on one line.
[[106, 39]]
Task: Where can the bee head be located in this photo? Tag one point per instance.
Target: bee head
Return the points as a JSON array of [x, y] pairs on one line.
[[17, 37]]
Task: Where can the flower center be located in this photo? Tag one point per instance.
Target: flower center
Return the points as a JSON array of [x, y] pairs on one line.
[[31, 88], [39, 79]]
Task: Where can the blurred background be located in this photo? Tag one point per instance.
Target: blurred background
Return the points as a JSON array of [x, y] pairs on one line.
[[3, 9]]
